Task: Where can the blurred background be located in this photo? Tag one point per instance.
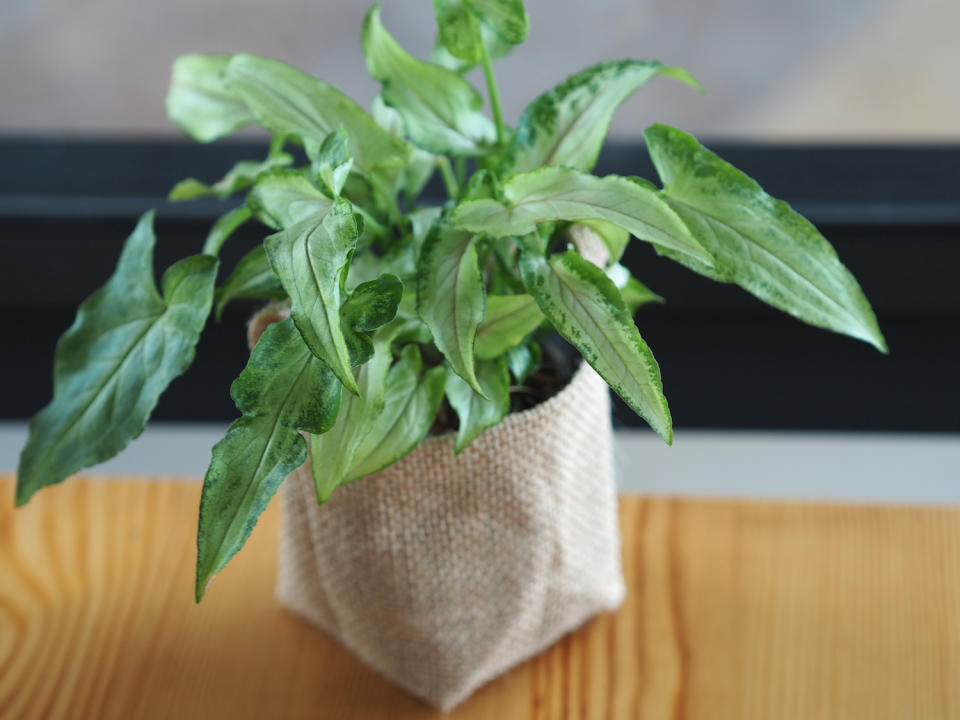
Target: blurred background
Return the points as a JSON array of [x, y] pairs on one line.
[[774, 70], [848, 110]]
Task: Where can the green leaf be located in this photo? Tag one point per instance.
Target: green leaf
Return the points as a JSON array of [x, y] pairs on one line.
[[282, 391], [450, 297], [479, 412], [459, 30], [567, 125], [466, 26], [757, 241], [251, 278], [333, 162], [497, 48], [199, 101], [312, 259], [503, 278], [127, 344], [440, 109], [370, 305], [413, 178], [633, 292], [507, 322], [387, 117], [564, 194], [507, 18], [523, 360], [423, 221], [332, 453], [586, 308], [288, 101], [225, 226], [240, 176], [410, 407], [482, 185], [281, 198]]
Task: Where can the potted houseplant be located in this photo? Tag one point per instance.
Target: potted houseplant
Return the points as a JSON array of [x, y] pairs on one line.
[[400, 336]]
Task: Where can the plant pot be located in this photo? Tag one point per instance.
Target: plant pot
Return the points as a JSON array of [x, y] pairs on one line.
[[442, 572]]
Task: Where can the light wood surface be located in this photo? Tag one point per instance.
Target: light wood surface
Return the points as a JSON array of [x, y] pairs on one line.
[[734, 610]]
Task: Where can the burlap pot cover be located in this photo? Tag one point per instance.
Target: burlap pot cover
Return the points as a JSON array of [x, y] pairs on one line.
[[442, 572]]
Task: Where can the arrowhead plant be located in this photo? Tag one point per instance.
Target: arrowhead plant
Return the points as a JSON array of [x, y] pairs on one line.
[[399, 310]]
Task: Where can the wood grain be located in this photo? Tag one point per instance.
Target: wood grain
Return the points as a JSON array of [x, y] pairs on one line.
[[734, 610]]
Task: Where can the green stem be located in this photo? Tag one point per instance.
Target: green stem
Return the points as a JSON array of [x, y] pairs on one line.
[[449, 181], [494, 93], [276, 144], [461, 170]]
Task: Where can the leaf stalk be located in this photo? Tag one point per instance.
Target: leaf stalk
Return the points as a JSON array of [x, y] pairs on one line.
[[494, 94], [449, 181]]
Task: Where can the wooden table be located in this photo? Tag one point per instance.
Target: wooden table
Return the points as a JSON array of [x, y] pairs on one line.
[[734, 610]]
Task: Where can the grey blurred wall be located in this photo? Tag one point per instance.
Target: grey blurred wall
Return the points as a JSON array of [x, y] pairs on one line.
[[774, 69]]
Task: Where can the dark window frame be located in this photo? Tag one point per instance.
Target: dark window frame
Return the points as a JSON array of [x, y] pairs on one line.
[[892, 212]]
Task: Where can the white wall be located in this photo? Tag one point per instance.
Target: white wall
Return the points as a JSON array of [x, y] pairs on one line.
[[844, 69]]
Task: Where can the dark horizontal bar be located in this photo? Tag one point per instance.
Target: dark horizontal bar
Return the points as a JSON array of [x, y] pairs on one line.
[[22, 206], [893, 214], [867, 184]]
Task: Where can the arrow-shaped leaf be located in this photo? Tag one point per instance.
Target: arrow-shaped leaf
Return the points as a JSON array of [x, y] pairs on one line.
[[332, 163], [459, 30], [586, 308], [283, 390], [554, 193], [567, 125], [497, 48], [465, 26], [523, 360], [290, 102], [251, 278], [127, 344], [311, 258], [332, 453], [507, 322], [450, 297], [241, 175], [412, 178], [199, 101], [410, 407], [281, 198], [225, 226], [371, 304], [479, 412], [507, 18], [441, 110], [757, 241]]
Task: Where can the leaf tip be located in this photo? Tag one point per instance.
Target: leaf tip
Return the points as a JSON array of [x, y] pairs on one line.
[[203, 584], [474, 383], [350, 383], [683, 75], [21, 496], [880, 342]]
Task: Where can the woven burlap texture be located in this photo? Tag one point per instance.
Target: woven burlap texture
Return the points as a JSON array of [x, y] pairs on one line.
[[442, 572]]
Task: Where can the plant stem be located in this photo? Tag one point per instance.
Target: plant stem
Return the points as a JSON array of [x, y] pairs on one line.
[[461, 170], [449, 181], [276, 144], [493, 92]]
